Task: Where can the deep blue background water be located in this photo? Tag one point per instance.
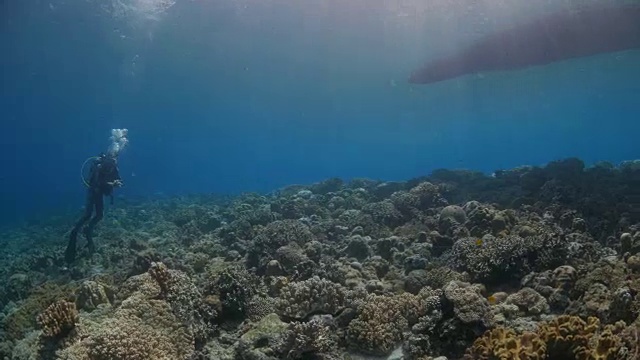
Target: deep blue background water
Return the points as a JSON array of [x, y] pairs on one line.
[[230, 96]]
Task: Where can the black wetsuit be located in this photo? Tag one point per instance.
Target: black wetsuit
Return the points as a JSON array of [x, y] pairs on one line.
[[104, 170]]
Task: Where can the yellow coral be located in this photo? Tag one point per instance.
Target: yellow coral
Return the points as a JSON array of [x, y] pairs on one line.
[[566, 337], [505, 344], [605, 346]]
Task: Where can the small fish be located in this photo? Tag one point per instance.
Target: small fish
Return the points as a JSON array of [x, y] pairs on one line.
[[492, 299], [479, 242]]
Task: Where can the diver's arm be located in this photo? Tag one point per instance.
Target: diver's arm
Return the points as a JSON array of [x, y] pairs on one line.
[[116, 180]]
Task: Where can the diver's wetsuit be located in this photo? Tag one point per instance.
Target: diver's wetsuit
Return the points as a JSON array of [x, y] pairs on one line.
[[104, 170]]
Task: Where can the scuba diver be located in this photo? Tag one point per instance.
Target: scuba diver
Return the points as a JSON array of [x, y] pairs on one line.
[[103, 178]]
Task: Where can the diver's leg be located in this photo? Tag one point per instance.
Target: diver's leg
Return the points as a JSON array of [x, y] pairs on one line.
[[70, 253], [88, 231]]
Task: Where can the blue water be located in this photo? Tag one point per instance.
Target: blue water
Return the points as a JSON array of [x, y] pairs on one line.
[[229, 96]]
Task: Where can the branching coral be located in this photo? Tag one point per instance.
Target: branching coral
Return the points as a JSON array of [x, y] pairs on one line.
[[188, 305], [423, 196], [300, 299], [58, 319], [160, 273], [283, 232], [469, 306], [529, 302], [384, 212], [304, 338], [141, 329], [382, 320], [18, 323], [178, 290], [235, 287], [273, 236], [428, 195], [142, 326], [260, 306], [608, 290], [506, 257]]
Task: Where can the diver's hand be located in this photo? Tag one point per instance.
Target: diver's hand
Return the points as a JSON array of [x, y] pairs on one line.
[[116, 183]]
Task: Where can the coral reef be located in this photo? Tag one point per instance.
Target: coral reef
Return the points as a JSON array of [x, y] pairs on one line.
[[529, 263]]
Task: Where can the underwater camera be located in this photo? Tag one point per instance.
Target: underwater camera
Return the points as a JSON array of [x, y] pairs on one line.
[[119, 141]]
